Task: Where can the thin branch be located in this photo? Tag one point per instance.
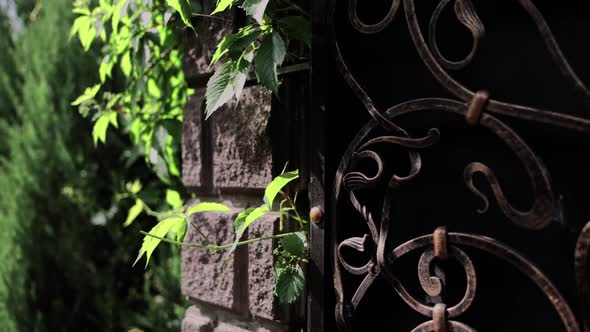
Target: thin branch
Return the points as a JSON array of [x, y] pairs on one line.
[[216, 247]]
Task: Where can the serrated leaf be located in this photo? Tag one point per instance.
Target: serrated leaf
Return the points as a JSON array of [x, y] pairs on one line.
[[183, 7], [207, 207], [294, 244], [225, 83], [297, 27], [134, 211], [277, 184], [289, 284], [173, 198], [88, 94], [236, 43], [255, 9], [269, 56], [126, 63], [222, 5], [160, 230]]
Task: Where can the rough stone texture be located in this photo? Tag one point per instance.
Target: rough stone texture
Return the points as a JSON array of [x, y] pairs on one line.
[[191, 142], [260, 276], [195, 321], [209, 32], [205, 275], [241, 147]]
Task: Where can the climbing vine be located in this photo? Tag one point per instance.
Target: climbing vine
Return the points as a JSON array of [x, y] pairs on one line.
[[142, 92]]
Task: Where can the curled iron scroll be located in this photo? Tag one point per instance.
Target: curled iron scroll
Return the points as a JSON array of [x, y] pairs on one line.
[[433, 59], [542, 211]]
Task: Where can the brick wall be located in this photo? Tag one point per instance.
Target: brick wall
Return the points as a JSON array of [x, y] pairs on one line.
[[227, 158]]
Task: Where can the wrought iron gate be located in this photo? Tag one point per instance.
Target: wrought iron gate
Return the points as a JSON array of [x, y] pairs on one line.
[[465, 206]]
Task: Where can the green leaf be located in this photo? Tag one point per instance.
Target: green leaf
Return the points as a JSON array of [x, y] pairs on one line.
[[173, 198], [269, 56], [88, 94], [183, 7], [105, 69], [207, 207], [277, 184], [180, 231], [294, 244], [86, 33], [134, 187], [296, 27], [99, 132], [241, 218], [235, 44], [289, 284], [225, 83], [250, 217], [153, 88], [79, 22], [222, 5], [134, 211], [161, 229], [126, 63], [118, 13], [256, 9]]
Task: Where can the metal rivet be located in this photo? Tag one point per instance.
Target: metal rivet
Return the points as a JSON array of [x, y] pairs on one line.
[[476, 108], [439, 317], [315, 215], [440, 243]]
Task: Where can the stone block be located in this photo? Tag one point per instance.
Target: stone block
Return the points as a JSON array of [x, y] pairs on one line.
[[195, 321], [192, 163], [242, 153], [206, 275], [260, 276], [201, 45]]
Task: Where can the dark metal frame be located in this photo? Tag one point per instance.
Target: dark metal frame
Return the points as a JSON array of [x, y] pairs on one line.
[[478, 109]]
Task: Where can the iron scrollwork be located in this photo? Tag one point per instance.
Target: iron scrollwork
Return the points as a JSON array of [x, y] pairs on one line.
[[478, 109]]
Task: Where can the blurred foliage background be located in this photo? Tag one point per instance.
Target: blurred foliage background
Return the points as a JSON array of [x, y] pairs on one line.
[[65, 258]]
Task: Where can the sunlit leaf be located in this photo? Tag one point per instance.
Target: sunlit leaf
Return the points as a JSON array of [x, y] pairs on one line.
[[277, 184], [236, 43], [134, 211], [241, 218], [183, 7], [250, 217], [173, 198], [160, 230], [88, 94], [99, 131], [222, 5], [207, 207], [126, 63], [118, 13]]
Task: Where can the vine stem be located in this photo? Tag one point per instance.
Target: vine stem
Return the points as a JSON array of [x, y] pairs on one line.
[[216, 247]]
